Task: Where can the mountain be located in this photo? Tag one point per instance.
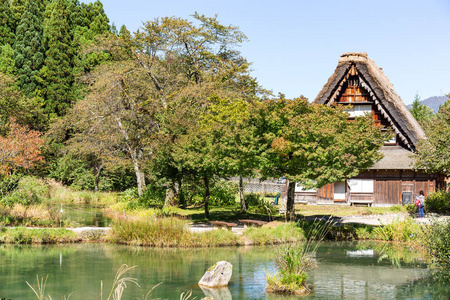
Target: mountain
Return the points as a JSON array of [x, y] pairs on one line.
[[433, 102]]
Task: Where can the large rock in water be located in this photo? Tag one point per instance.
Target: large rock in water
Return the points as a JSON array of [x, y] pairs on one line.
[[217, 275]]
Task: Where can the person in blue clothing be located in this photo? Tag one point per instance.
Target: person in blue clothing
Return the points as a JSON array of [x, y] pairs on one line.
[[422, 203]]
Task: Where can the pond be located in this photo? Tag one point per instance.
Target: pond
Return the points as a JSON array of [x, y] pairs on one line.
[[345, 271], [84, 215]]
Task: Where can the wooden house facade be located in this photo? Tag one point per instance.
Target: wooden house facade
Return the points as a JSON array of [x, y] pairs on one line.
[[358, 83]]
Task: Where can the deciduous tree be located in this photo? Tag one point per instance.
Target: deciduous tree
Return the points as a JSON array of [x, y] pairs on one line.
[[20, 148], [313, 144], [433, 152]]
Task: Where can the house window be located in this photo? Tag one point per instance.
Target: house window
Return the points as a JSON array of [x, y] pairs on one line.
[[360, 185], [360, 110]]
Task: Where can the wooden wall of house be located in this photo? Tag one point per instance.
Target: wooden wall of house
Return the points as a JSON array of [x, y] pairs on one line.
[[388, 187]]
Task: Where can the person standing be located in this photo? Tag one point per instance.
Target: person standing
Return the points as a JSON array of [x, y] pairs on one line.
[[421, 203]]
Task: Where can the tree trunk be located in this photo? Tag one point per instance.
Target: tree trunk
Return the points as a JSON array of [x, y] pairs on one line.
[[241, 195], [290, 210], [181, 201], [98, 171], [206, 181], [140, 178]]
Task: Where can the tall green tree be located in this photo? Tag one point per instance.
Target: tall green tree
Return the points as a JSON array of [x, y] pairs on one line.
[[433, 152], [313, 144], [29, 48], [169, 62], [58, 80], [7, 26], [421, 112], [7, 62]]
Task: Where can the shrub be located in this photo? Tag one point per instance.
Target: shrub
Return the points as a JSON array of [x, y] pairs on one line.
[[153, 196], [257, 204], [438, 202], [437, 242], [30, 190], [399, 231], [411, 209]]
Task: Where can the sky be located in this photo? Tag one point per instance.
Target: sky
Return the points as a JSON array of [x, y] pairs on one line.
[[294, 46]]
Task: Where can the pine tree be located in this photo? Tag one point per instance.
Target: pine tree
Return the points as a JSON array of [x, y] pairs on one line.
[[6, 23], [29, 48], [57, 71], [98, 21]]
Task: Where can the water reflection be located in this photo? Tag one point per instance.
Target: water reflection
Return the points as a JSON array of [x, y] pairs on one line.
[[81, 268]]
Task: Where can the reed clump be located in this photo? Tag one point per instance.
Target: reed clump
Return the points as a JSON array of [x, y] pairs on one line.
[[294, 260]]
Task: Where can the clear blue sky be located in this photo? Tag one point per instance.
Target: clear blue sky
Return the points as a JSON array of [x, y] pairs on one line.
[[295, 45]]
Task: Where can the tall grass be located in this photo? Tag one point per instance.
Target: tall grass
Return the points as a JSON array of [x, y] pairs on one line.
[[294, 260], [407, 230], [285, 233], [22, 235]]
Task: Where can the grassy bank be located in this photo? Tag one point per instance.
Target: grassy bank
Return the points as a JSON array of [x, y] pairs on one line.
[[173, 232], [22, 235]]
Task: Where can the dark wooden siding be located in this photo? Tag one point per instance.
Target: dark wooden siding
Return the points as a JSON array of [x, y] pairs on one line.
[[326, 192], [388, 191]]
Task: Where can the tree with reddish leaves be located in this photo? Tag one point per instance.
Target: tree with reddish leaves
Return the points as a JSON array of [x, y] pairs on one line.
[[20, 149]]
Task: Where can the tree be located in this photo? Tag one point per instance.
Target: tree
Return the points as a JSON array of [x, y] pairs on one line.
[[19, 149], [314, 144], [7, 26], [421, 112], [238, 149], [170, 62], [57, 86], [433, 152], [7, 63], [13, 104], [29, 48]]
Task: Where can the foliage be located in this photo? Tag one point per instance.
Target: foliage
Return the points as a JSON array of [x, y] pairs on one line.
[[437, 242], [284, 233], [411, 209], [421, 112], [29, 48], [7, 62], [433, 153], [398, 231], [6, 23], [22, 235], [56, 72], [294, 260], [313, 144], [438, 202], [30, 190], [257, 204], [19, 149]]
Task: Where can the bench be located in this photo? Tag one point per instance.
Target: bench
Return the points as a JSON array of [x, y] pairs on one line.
[[221, 224], [252, 223], [368, 202]]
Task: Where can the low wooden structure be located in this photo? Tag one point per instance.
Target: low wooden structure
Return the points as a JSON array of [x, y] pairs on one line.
[[221, 224], [252, 223], [360, 85]]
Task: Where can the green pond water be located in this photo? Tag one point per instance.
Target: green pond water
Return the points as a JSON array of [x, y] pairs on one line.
[[343, 272]]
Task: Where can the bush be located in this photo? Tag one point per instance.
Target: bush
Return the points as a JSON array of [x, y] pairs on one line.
[[411, 209], [438, 202], [437, 242], [30, 190], [221, 193], [257, 204]]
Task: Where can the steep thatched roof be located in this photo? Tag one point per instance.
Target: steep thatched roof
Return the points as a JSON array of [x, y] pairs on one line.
[[381, 91], [394, 158]]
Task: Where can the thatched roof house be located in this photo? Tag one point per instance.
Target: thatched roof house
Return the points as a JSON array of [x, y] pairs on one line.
[[357, 81], [381, 92]]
